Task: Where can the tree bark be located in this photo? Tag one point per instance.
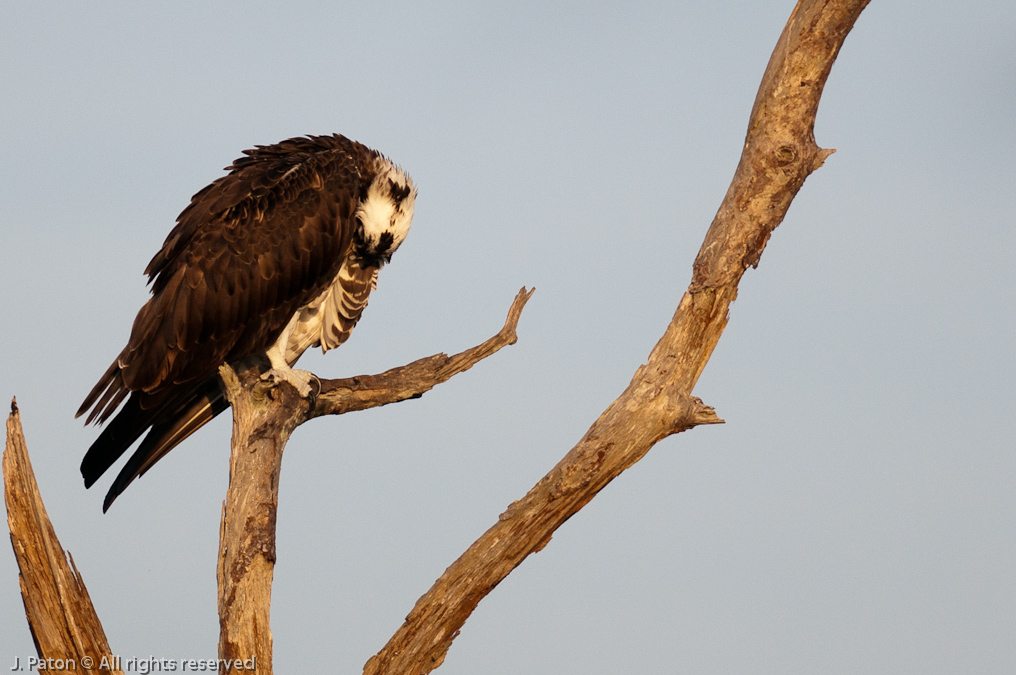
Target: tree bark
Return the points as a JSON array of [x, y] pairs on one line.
[[67, 633], [264, 416], [779, 154]]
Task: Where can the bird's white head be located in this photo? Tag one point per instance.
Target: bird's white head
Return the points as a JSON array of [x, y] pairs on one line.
[[386, 212]]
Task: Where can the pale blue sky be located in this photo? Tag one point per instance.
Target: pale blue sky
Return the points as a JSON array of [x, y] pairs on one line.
[[855, 514]]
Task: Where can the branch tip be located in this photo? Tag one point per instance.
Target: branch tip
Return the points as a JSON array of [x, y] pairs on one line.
[[821, 156], [230, 381], [708, 416], [703, 414], [515, 313]]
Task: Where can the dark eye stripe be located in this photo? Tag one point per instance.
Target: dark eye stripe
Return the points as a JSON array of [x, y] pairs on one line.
[[398, 192]]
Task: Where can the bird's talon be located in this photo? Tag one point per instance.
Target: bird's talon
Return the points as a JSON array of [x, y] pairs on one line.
[[300, 379]]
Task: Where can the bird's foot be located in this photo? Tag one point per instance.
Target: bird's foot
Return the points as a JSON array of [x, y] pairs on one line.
[[300, 379]]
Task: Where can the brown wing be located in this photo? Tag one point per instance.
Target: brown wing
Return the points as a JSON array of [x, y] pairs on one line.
[[249, 251]]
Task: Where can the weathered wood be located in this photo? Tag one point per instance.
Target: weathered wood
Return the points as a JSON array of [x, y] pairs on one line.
[[779, 153], [415, 379], [264, 416], [67, 633]]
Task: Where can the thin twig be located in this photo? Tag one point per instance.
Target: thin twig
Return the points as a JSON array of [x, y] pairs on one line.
[[415, 379]]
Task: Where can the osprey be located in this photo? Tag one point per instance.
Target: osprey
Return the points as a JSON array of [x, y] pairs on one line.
[[277, 256]]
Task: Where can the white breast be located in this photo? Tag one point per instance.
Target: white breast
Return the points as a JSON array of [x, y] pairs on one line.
[[329, 319]]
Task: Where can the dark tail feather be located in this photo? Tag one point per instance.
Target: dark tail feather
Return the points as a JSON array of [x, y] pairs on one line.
[[112, 390], [165, 435], [121, 433]]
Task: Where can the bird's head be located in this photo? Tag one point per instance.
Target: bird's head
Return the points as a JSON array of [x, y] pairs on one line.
[[385, 213]]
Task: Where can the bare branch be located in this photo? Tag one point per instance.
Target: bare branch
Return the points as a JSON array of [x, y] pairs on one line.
[[60, 615], [779, 154], [415, 379], [264, 416]]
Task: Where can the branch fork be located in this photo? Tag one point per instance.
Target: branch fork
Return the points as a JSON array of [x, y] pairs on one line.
[[265, 414]]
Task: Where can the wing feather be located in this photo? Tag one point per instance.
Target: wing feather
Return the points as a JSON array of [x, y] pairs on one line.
[[250, 249]]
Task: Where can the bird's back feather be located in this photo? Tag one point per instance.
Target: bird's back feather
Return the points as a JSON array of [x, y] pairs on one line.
[[248, 252]]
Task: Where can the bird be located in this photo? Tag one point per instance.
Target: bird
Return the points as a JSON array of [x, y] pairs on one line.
[[275, 257]]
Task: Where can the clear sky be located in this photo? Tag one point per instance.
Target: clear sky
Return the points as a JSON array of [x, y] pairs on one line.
[[855, 514]]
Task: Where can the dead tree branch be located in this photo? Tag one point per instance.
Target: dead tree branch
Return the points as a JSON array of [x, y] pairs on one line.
[[65, 628], [264, 416], [779, 154], [413, 380]]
